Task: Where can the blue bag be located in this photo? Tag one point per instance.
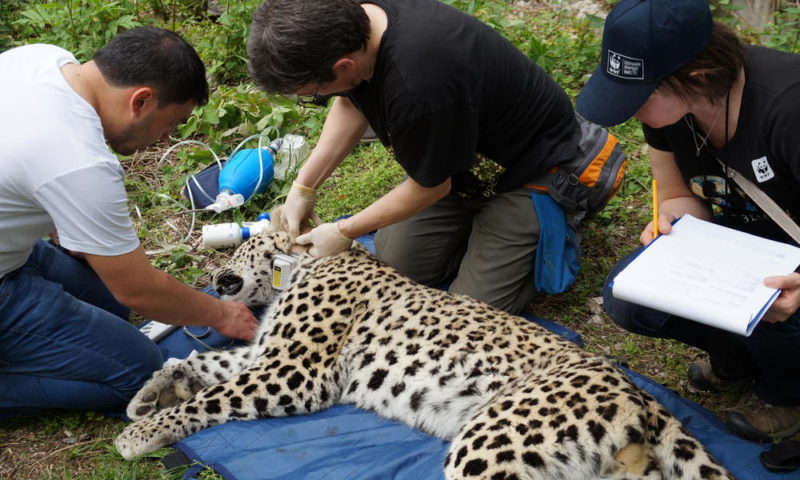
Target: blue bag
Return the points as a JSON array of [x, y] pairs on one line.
[[557, 261], [347, 443]]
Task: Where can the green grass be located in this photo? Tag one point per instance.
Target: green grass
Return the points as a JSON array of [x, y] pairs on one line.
[[361, 178], [69, 445]]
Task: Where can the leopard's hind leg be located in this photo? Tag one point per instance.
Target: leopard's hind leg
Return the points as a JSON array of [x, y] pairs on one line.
[[274, 386], [567, 421], [179, 382], [683, 457]]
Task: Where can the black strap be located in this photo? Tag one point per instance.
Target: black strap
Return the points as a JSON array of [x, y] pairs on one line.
[[176, 459], [782, 457]]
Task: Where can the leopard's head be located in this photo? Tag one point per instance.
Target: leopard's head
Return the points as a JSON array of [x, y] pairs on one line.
[[247, 277]]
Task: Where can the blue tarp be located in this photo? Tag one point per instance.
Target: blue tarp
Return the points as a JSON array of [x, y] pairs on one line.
[[347, 443]]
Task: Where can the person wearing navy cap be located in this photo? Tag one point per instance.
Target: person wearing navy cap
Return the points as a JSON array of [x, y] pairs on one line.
[[709, 104]]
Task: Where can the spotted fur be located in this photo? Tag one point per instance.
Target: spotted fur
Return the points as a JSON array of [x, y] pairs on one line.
[[517, 401]]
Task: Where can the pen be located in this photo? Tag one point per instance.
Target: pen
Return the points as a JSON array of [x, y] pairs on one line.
[[655, 209]]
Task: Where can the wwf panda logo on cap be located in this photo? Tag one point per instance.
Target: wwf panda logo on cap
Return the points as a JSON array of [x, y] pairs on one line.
[[625, 67]]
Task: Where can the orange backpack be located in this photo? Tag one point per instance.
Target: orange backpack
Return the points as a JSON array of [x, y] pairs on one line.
[[584, 185]]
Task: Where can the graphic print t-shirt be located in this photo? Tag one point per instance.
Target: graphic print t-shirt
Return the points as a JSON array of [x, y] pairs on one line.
[[765, 147]]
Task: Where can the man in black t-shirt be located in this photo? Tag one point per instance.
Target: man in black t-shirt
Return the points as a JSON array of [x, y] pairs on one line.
[[467, 115], [710, 105]]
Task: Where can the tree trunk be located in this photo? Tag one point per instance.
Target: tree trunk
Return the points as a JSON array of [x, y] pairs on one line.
[[756, 13]]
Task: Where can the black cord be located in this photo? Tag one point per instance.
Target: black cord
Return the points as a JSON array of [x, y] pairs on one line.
[[725, 142]]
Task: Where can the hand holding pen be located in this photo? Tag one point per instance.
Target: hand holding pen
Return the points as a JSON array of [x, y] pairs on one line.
[[661, 223]]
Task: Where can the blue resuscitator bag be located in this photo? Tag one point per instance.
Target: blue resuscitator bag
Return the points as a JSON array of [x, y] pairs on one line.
[[244, 173]]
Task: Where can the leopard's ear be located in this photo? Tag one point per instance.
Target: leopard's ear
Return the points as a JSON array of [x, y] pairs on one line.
[[283, 242], [275, 220]]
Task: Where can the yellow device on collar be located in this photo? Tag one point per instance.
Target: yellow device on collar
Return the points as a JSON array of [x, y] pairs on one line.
[[282, 269]]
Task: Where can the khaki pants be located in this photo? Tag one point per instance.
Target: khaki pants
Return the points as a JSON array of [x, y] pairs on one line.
[[486, 246]]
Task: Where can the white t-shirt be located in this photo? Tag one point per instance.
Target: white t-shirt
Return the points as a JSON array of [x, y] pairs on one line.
[[56, 171]]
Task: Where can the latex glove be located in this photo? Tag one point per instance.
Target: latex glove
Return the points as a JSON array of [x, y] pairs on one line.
[[325, 240], [298, 208]]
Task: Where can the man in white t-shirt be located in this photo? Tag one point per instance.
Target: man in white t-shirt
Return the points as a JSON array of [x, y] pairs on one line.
[[64, 338]]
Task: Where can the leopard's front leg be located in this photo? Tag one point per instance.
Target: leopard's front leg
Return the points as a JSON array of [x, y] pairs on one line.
[[274, 386], [177, 383]]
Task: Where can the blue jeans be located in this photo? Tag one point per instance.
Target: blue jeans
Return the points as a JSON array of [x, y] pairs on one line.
[[771, 353], [65, 341]]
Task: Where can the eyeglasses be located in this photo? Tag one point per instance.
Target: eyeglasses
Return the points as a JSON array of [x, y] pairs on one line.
[[313, 99]]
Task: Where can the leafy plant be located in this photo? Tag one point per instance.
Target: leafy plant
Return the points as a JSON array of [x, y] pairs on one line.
[[80, 26], [8, 11], [174, 11], [567, 48], [235, 112], [490, 9], [725, 11], [784, 32], [221, 44], [180, 264]]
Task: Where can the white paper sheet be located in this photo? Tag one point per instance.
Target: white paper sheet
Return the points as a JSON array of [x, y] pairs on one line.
[[707, 273]]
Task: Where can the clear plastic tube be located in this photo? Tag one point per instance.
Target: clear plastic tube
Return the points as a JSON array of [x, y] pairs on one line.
[[192, 178]]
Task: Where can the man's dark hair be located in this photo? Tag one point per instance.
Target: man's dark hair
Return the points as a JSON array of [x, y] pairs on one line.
[[294, 43], [156, 58], [721, 61]]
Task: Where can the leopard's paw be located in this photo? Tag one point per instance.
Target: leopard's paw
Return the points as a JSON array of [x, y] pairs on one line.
[[169, 386], [143, 437]]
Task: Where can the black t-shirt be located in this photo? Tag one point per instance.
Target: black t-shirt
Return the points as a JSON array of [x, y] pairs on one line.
[[765, 147], [453, 98]]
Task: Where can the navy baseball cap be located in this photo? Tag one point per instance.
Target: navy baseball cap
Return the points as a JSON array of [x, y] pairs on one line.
[[644, 41]]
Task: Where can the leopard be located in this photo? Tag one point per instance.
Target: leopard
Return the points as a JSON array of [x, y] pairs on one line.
[[515, 400]]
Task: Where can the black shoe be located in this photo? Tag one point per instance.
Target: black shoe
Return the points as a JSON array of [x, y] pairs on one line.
[[702, 377]]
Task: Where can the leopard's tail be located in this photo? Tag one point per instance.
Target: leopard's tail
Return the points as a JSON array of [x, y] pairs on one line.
[[680, 454]]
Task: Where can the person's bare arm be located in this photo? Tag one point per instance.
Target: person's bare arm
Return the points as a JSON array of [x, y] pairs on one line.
[[400, 203], [674, 197], [158, 296], [342, 130]]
